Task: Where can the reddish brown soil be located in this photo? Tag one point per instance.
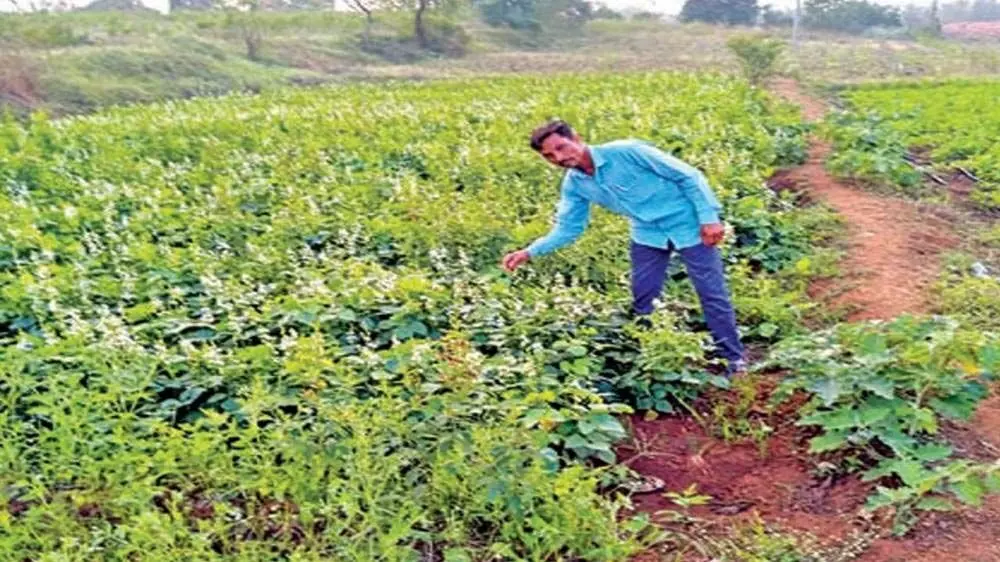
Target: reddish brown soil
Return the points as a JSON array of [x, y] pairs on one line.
[[742, 481], [777, 485], [893, 254], [893, 246]]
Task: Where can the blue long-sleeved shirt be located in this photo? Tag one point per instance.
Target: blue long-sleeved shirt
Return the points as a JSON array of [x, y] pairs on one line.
[[665, 199]]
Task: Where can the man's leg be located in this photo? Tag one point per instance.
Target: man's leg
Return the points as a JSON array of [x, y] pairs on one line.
[[649, 270], [704, 267]]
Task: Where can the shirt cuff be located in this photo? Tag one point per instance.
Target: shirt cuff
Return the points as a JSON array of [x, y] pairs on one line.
[[708, 216], [535, 249]]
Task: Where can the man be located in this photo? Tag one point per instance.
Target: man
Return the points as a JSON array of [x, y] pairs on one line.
[[671, 209]]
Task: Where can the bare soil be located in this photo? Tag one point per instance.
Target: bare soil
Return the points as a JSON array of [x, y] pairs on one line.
[[893, 255]]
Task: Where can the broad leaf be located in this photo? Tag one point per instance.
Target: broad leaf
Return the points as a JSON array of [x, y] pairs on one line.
[[827, 389], [827, 442]]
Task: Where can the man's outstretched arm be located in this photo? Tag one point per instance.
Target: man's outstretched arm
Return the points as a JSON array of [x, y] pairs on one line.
[[572, 218]]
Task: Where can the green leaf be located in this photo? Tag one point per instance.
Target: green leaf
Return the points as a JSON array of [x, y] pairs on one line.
[[608, 423], [841, 418], [230, 405], [954, 407], [880, 387], [883, 469], [606, 456], [577, 350], [870, 415], [576, 441], [873, 344], [664, 406], [992, 482], [898, 441], [882, 498], [932, 452], [933, 503], [585, 427], [912, 472], [827, 442], [767, 329], [970, 491], [827, 389], [457, 555], [550, 459]]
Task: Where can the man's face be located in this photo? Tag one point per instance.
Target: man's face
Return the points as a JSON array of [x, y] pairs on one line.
[[561, 151]]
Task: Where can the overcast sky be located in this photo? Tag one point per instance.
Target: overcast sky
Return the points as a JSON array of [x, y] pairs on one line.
[[664, 6]]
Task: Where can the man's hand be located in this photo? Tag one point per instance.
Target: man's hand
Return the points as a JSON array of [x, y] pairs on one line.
[[712, 234], [516, 259]]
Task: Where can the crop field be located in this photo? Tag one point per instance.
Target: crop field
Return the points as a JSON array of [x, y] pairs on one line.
[[948, 126], [274, 327]]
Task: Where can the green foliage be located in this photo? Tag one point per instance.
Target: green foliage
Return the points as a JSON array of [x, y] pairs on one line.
[[274, 325], [758, 55], [41, 31], [852, 16], [973, 297], [730, 12], [516, 14], [879, 395], [864, 148], [949, 119]]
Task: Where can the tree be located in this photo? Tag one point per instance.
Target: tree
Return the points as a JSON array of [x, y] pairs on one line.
[[243, 16], [934, 26], [852, 16], [730, 12], [367, 7], [419, 8], [515, 14]]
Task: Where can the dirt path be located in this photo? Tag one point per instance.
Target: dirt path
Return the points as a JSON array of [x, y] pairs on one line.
[[894, 253], [894, 248]]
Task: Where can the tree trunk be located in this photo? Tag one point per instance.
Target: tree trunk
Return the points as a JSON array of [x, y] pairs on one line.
[[369, 23], [419, 24]]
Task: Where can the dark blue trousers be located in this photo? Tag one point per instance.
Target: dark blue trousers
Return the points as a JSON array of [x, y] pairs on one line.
[[704, 268]]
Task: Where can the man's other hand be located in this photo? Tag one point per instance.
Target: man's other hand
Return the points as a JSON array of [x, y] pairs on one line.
[[516, 259], [712, 234]]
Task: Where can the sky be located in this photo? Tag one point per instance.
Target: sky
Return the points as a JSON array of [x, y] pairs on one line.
[[662, 6]]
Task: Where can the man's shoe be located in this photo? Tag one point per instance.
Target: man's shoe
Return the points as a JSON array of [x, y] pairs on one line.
[[736, 368], [643, 484]]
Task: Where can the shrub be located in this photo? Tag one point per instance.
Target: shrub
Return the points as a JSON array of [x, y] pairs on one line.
[[758, 55]]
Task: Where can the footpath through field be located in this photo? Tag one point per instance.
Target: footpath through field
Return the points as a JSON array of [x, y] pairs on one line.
[[893, 254]]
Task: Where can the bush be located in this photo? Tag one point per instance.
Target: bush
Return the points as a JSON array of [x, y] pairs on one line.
[[446, 37], [757, 55], [42, 33]]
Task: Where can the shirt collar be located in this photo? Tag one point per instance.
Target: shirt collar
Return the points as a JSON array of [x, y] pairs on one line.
[[597, 156]]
